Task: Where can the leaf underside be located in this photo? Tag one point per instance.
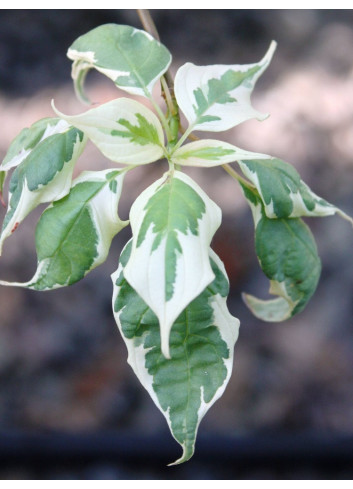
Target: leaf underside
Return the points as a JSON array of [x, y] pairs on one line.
[[288, 256]]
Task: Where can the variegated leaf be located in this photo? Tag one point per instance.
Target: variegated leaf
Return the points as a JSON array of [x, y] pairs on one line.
[[43, 172], [201, 346], [124, 130], [173, 222], [132, 58], [287, 253], [74, 234], [210, 152], [27, 140], [217, 97], [282, 191]]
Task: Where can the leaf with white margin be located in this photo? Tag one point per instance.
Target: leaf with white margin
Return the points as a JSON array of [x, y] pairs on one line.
[[282, 191], [124, 130], [27, 140], [207, 153], [217, 97], [132, 58], [43, 175], [201, 343], [74, 234], [173, 222], [287, 254]]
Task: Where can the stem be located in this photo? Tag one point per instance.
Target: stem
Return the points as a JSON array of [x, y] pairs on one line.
[[147, 22], [236, 176], [166, 80]]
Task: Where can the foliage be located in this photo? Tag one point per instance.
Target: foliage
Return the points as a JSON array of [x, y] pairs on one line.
[[170, 288]]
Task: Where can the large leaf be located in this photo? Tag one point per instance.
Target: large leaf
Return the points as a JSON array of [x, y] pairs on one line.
[[130, 57], [210, 152], [124, 130], [287, 253], [173, 222], [43, 175], [282, 191], [73, 236], [201, 346], [217, 97]]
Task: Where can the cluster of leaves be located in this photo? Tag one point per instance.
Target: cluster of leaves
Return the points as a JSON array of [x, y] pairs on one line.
[[170, 288]]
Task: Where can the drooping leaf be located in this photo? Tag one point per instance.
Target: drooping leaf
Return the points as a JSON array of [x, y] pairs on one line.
[[210, 152], [74, 234], [132, 58], [282, 191], [124, 130], [43, 175], [217, 97], [202, 339], [287, 253], [173, 222]]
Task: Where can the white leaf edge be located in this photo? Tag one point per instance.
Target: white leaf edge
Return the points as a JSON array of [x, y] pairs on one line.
[[145, 270], [103, 211], [117, 148], [299, 207], [56, 189], [85, 60], [228, 327], [51, 129], [239, 154], [190, 77]]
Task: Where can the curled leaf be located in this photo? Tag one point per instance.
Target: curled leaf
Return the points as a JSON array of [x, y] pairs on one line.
[[74, 234], [132, 58], [282, 191], [43, 172], [287, 254]]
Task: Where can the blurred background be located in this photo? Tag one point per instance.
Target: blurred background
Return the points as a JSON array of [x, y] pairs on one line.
[[70, 406]]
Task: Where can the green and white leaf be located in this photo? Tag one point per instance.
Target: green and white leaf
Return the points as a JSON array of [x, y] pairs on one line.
[[217, 97], [132, 58], [282, 191], [124, 130], [44, 175], [26, 141], [173, 222], [287, 253], [74, 234], [210, 152], [201, 347], [29, 138]]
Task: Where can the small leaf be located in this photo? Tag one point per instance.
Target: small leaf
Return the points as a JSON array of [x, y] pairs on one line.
[[29, 138], [210, 152], [132, 58], [282, 191], [43, 175], [201, 346], [288, 257], [26, 141], [173, 222], [74, 234], [217, 97], [124, 130]]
